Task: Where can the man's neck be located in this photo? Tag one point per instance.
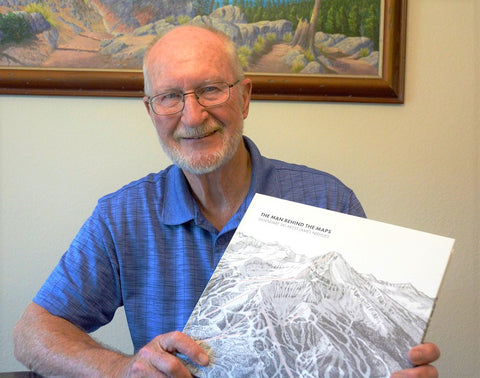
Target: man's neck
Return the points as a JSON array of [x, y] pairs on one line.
[[219, 194]]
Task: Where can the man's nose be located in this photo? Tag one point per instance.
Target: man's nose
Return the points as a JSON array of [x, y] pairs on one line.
[[193, 114]]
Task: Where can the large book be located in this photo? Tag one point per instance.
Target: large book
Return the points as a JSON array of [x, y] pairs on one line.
[[307, 292]]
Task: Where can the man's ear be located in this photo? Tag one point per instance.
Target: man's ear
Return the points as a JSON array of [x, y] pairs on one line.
[[147, 105], [247, 95]]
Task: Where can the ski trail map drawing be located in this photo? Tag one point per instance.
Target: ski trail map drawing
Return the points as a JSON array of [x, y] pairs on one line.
[[303, 291]]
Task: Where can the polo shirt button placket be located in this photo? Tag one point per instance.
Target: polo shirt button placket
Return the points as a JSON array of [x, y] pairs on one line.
[[220, 245]]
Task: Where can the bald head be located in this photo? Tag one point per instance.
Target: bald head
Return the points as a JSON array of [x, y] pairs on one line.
[[193, 45]]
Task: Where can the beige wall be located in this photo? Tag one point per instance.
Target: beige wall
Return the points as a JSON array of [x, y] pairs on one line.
[[415, 165]]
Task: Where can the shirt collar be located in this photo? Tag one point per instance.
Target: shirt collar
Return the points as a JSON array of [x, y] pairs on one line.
[[178, 203]]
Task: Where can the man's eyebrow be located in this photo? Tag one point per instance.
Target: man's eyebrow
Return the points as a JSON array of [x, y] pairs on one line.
[[167, 88], [199, 85]]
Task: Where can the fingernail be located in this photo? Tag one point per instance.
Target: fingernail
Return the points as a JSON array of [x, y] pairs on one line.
[[414, 356], [203, 359]]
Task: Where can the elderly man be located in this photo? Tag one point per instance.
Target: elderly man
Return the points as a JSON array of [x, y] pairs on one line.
[[153, 245]]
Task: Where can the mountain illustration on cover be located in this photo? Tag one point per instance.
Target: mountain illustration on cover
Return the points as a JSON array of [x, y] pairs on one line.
[[272, 312]]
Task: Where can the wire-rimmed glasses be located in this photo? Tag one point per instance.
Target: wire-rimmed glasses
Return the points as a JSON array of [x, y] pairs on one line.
[[208, 95]]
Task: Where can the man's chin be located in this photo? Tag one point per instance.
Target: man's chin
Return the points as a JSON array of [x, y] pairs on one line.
[[200, 167]]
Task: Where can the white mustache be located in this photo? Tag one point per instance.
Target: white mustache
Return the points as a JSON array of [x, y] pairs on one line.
[[197, 132]]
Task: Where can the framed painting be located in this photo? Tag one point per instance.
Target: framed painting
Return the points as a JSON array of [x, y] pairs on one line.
[[300, 50]]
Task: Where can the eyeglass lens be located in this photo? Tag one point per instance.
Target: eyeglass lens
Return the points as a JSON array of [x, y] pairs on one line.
[[207, 95]]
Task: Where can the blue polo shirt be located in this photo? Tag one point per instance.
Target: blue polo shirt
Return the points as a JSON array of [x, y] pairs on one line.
[[148, 247]]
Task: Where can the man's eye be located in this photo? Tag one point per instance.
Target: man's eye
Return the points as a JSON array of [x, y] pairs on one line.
[[209, 89], [168, 97]]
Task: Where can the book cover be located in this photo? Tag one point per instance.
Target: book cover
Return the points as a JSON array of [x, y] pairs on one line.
[[304, 291]]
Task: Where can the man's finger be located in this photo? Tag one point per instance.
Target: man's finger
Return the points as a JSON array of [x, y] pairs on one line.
[[424, 354], [417, 372], [178, 342]]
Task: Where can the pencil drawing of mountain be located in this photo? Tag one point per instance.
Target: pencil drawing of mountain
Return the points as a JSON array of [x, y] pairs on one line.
[[271, 312]]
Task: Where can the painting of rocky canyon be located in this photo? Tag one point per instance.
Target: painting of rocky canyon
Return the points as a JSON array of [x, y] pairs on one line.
[[326, 37]]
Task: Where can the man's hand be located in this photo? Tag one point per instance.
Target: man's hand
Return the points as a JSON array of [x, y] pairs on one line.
[[52, 346], [157, 358], [421, 356]]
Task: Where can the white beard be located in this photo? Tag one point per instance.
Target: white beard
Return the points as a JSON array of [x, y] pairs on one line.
[[202, 163]]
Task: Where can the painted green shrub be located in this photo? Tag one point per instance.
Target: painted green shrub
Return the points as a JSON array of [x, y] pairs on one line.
[[14, 28]]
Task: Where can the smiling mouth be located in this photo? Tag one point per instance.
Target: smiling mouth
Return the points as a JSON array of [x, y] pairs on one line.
[[200, 136]]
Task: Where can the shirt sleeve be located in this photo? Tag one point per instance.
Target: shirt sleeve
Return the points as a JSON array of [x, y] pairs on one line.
[[354, 207], [84, 288]]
